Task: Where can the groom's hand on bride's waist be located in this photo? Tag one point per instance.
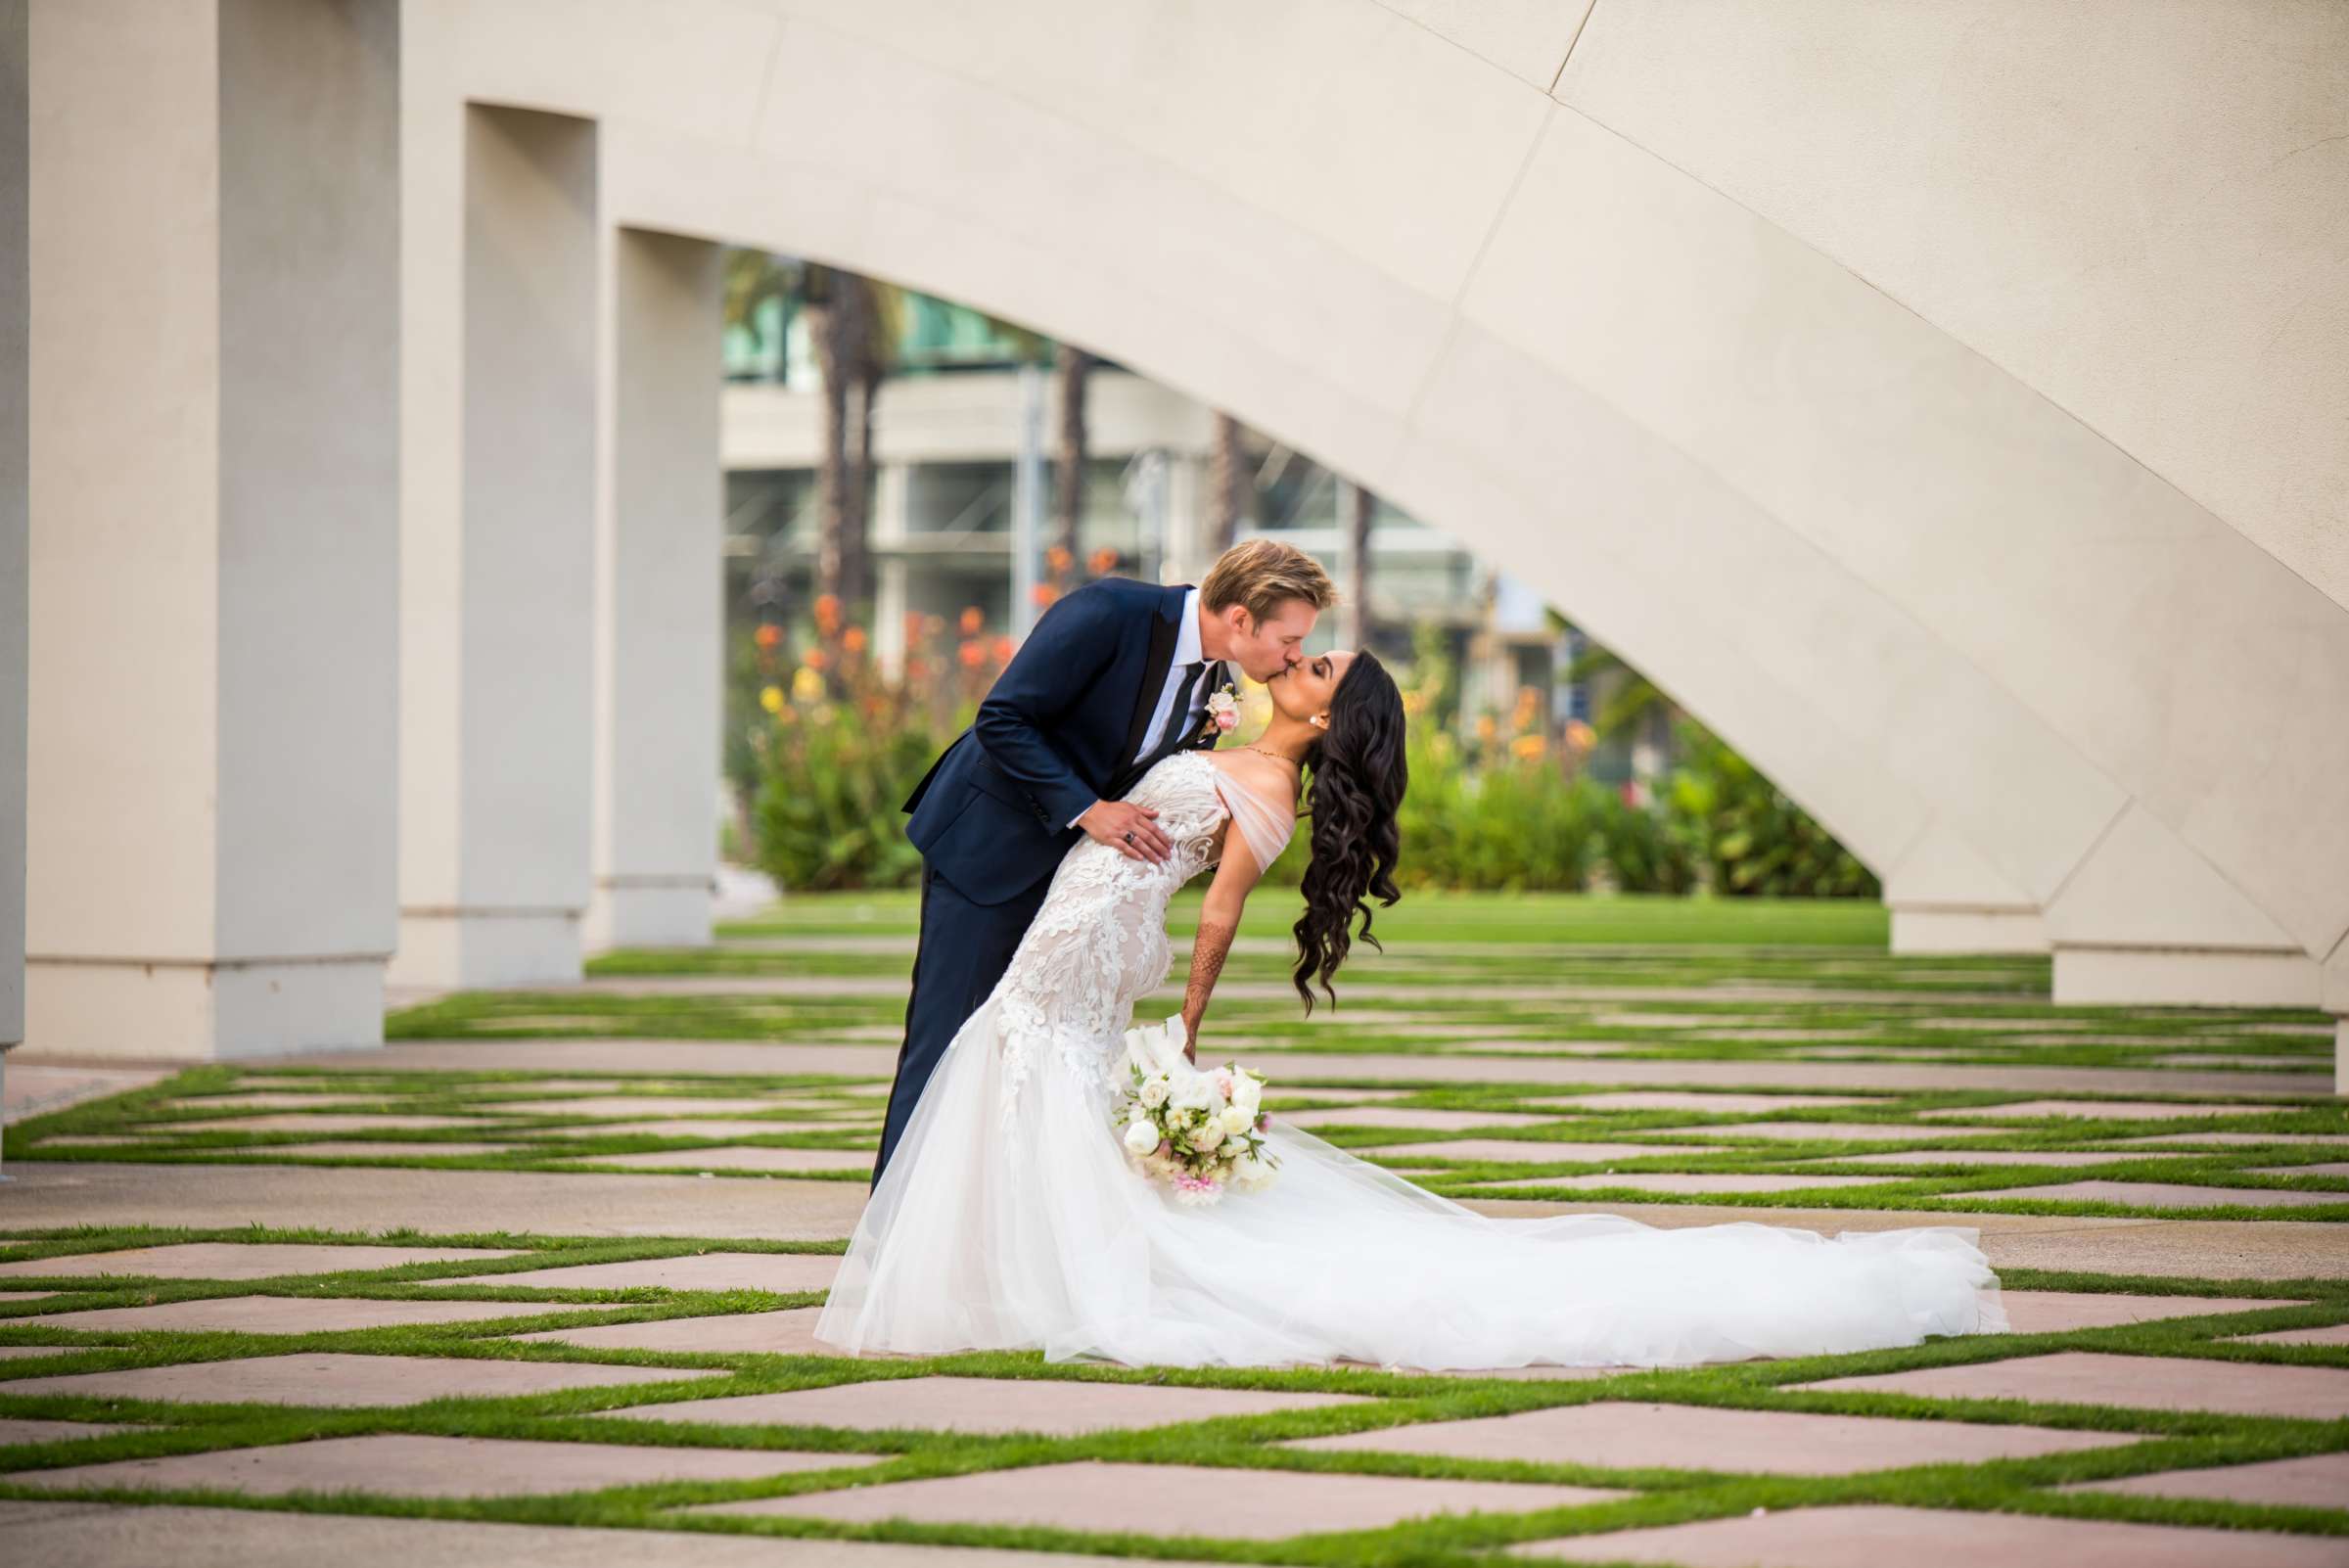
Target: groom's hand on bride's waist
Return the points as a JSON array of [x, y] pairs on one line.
[[1130, 830]]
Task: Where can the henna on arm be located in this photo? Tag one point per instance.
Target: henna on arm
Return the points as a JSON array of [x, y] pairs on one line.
[[1208, 953]]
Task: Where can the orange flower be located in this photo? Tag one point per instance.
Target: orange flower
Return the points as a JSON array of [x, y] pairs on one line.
[[1579, 736], [1486, 727], [1104, 561], [1044, 593], [816, 658], [973, 654], [769, 636], [914, 622], [916, 668], [972, 621], [1058, 559], [827, 612], [1528, 748], [1002, 650], [852, 639]]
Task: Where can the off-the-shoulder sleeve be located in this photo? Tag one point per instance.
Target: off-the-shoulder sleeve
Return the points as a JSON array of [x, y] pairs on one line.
[[1263, 821]]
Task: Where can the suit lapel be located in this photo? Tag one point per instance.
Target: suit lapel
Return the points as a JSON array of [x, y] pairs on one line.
[[1211, 682], [1164, 629]]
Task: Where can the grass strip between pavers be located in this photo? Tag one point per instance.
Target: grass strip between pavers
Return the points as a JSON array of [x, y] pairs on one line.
[[2174, 1440]]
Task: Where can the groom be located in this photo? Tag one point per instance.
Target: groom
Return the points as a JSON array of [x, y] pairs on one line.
[[1114, 679]]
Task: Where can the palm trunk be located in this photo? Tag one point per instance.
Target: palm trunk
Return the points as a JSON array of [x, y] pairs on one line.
[[858, 574], [1075, 366], [1357, 566], [827, 312], [1227, 473], [840, 326]]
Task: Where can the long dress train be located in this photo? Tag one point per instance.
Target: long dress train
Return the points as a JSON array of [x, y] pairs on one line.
[[1009, 1217]]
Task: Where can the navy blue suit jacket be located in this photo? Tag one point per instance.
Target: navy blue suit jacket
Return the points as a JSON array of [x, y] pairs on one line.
[[1058, 732]]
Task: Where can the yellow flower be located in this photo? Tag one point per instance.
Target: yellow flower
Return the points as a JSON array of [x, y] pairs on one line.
[[806, 686], [1528, 748], [771, 699]]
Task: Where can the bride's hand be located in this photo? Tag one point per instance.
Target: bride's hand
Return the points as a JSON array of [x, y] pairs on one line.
[[1190, 1048]]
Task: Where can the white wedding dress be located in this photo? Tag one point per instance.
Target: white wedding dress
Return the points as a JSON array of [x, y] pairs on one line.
[[1009, 1217]]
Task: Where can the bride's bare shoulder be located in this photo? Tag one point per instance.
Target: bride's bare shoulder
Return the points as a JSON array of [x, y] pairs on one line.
[[1266, 775]]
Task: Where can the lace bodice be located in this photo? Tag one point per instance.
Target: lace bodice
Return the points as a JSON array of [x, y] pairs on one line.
[[1098, 944]]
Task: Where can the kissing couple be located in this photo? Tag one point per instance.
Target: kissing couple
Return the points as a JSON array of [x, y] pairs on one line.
[[1005, 1212]]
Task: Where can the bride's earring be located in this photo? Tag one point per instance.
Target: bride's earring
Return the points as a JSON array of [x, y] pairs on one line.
[[1319, 722]]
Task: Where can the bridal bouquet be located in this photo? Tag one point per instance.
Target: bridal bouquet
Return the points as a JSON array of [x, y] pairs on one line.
[[1199, 1130]]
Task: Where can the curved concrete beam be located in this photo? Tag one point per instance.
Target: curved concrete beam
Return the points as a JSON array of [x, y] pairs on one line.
[[1976, 636]]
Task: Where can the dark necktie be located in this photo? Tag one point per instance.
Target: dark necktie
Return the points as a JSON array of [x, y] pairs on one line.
[[1178, 716], [1170, 739]]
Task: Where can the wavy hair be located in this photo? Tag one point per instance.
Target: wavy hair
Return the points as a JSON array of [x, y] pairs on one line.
[[1357, 781]]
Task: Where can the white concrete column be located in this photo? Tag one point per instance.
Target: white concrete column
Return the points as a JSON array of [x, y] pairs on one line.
[[497, 576], [1944, 897], [660, 594], [214, 251], [13, 521]]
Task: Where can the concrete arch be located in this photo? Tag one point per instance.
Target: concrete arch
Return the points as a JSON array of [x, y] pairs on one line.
[[1944, 402], [1791, 454]]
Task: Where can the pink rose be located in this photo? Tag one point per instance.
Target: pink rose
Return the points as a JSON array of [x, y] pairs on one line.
[[1227, 721]]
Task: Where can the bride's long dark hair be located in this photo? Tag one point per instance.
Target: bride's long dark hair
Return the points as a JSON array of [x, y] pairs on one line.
[[1357, 781]]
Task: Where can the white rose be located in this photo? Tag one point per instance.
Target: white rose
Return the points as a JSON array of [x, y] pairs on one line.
[[1140, 1138], [1235, 1120], [1153, 1093], [1249, 1094], [1208, 1137]]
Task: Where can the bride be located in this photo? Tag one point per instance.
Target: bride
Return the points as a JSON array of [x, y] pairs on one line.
[[1010, 1216]]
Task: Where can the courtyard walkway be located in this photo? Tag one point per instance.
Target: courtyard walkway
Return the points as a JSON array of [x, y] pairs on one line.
[[533, 1284]]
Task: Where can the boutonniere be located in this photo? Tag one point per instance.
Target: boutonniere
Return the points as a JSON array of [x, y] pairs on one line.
[[1222, 713]]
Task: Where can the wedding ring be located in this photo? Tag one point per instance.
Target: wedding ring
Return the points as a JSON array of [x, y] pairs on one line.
[[1130, 838]]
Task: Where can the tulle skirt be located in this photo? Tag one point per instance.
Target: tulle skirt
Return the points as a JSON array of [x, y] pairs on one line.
[[1035, 1232]]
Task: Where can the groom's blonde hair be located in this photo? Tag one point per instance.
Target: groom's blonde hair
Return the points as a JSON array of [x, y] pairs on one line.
[[1264, 574]]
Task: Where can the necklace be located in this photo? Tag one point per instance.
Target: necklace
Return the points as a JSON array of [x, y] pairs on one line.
[[1275, 755]]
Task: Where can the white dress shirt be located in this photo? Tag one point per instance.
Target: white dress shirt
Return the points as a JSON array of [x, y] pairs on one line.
[[1187, 651]]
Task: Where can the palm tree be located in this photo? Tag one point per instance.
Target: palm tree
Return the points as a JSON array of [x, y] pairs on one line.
[[840, 326], [1074, 367], [1629, 703], [1358, 564], [1227, 473], [754, 277]]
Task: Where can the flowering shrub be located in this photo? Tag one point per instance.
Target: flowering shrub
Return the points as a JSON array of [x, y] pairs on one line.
[[830, 745], [825, 747]]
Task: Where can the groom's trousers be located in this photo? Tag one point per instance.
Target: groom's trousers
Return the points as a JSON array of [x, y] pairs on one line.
[[963, 949]]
